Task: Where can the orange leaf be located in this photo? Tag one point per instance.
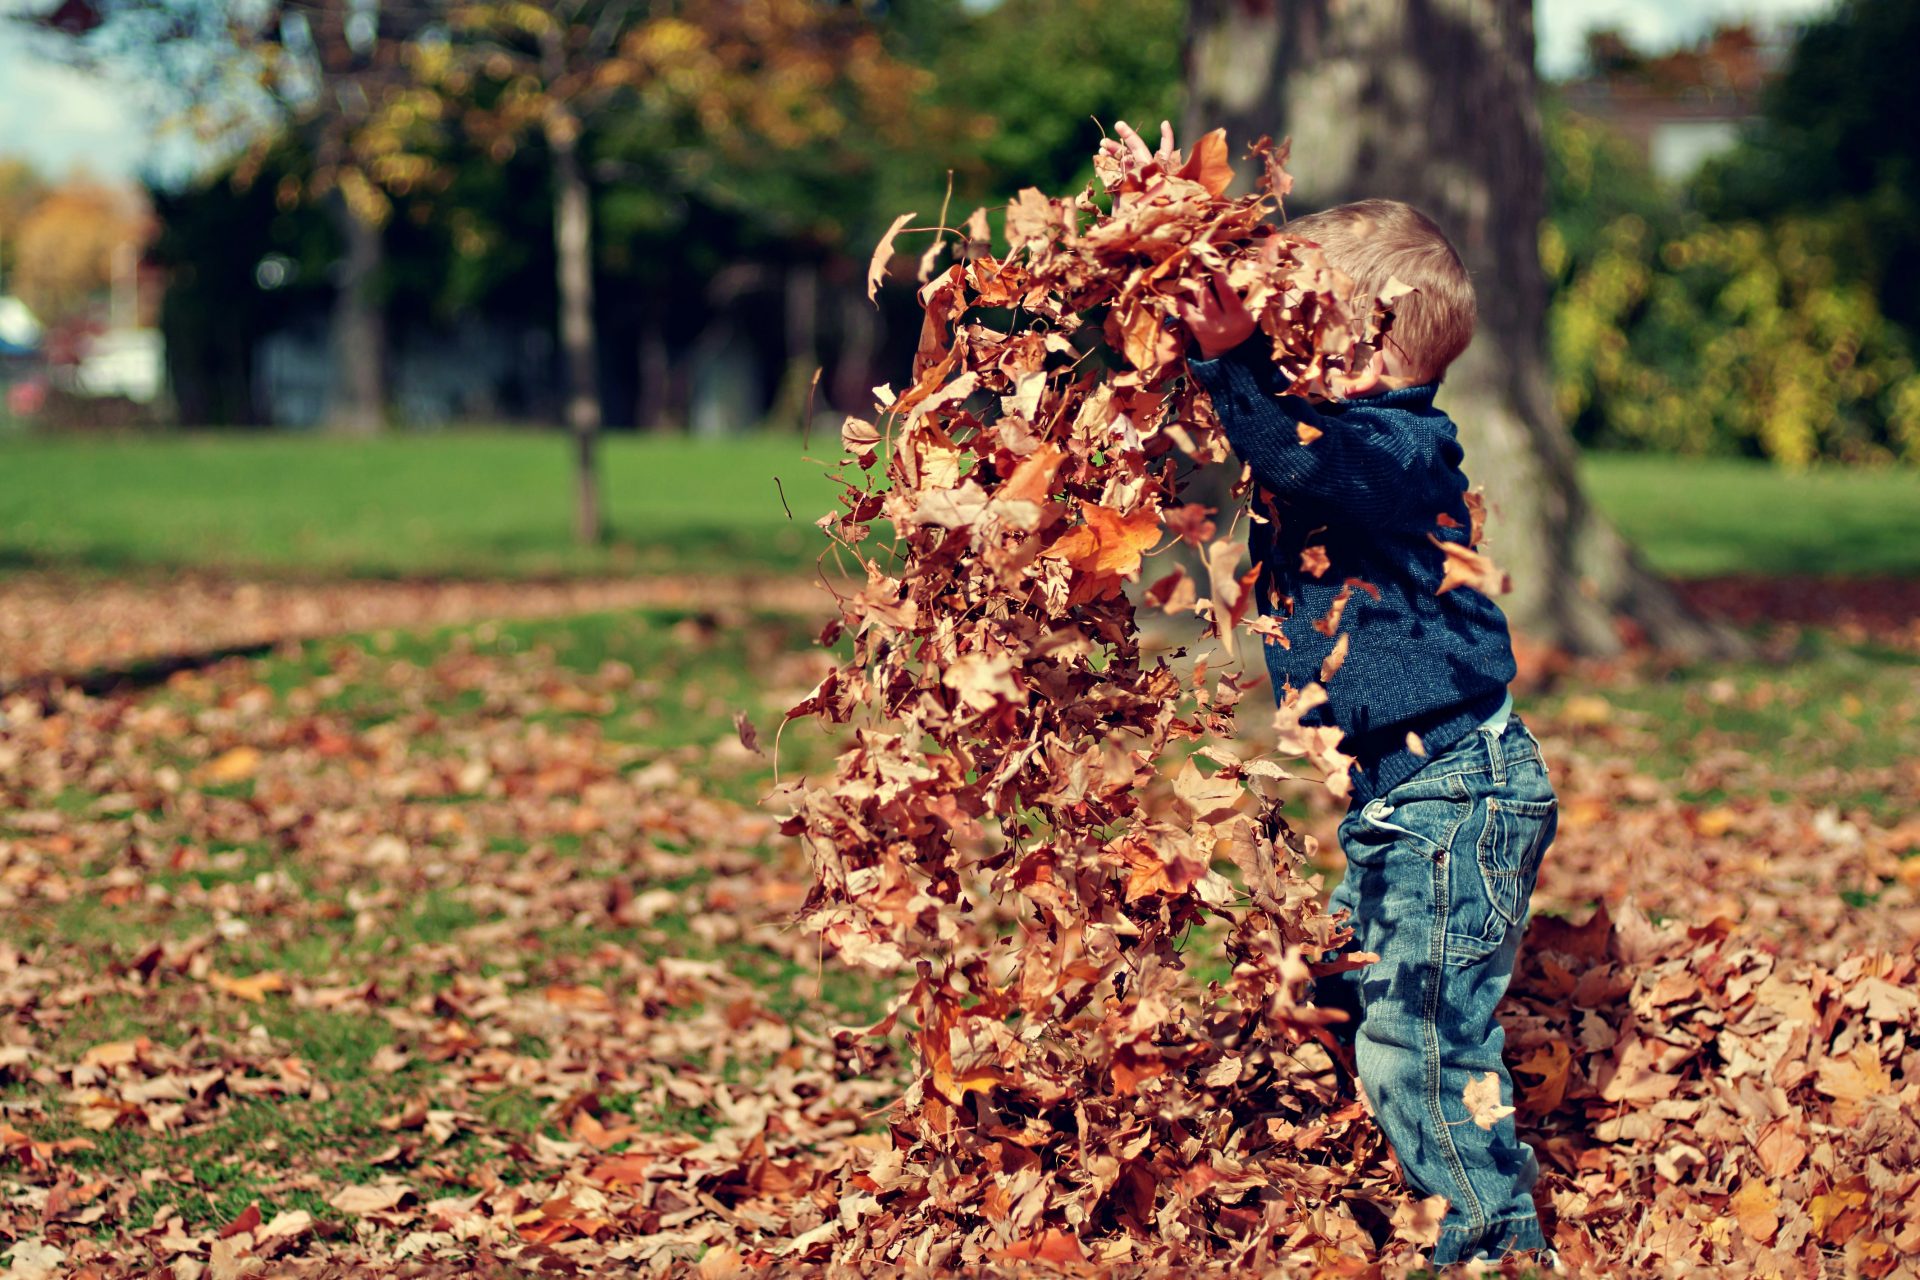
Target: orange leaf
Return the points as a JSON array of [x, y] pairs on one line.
[[1208, 165], [1756, 1207], [1048, 1246], [1110, 544], [1466, 567], [1033, 477], [627, 1170], [253, 988], [229, 767]]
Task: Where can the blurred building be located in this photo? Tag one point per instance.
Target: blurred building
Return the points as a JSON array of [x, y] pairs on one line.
[[1684, 107]]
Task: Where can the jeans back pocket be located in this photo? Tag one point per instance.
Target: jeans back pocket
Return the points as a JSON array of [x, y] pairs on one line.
[[1509, 851]]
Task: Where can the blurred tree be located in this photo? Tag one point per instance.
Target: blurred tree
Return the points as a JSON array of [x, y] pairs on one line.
[[1676, 332], [704, 89], [238, 265], [1841, 134], [1048, 78], [21, 188], [332, 71], [65, 244], [1434, 103]]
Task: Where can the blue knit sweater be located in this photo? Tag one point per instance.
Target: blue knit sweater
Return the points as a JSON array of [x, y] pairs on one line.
[[1371, 492]]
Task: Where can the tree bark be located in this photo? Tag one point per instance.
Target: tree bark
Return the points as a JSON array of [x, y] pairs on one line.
[[653, 406], [358, 405], [796, 394], [573, 244], [1434, 102]]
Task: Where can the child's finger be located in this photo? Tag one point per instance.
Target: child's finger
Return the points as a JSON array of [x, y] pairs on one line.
[[1136, 145], [1222, 290], [1166, 138]]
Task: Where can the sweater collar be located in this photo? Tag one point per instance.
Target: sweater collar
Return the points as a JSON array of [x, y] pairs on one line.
[[1415, 397]]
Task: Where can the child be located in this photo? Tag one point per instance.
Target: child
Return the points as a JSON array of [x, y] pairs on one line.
[[1451, 807]]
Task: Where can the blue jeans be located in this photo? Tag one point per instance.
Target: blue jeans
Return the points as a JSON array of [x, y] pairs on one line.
[[1439, 873]]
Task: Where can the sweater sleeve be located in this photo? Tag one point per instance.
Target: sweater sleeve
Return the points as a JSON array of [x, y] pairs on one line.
[[1365, 473]]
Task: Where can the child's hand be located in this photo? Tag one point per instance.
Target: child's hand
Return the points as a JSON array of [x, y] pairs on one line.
[[1219, 321], [1130, 152]]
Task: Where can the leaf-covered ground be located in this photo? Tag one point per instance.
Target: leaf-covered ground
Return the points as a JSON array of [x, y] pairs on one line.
[[422, 948]]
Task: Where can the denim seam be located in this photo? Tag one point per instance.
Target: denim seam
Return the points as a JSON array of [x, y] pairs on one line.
[[1517, 1218], [1490, 835], [1430, 1036]]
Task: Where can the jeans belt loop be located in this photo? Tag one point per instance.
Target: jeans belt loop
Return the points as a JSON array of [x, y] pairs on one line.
[[1496, 757]]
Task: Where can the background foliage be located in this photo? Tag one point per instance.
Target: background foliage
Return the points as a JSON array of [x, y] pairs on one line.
[[1766, 308]]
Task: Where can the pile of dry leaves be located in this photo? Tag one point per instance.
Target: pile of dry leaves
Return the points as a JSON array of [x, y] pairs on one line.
[[1000, 829], [1030, 822]]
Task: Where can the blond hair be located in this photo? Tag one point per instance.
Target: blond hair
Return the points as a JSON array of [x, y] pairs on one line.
[[1378, 241]]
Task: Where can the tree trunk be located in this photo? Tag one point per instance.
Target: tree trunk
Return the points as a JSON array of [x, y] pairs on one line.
[[795, 397], [573, 243], [1434, 102], [653, 407], [853, 373], [358, 403]]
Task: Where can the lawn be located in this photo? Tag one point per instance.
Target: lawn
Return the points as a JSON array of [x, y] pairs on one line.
[[1701, 517], [467, 504], [487, 504]]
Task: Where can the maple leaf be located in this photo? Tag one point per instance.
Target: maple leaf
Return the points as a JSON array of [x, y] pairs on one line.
[[1111, 544], [1482, 1096]]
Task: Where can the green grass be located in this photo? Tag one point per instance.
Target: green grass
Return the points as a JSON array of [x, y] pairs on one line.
[[460, 504], [1834, 720], [1706, 516], [495, 503]]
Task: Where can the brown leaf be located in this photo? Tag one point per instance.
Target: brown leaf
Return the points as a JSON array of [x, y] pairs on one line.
[[366, 1198], [883, 254], [1756, 1207], [255, 988], [1208, 163], [249, 1219], [1482, 1096], [1465, 567]]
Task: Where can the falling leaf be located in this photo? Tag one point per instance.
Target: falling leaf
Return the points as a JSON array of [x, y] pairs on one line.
[[1482, 1096], [1465, 567], [1110, 544], [1208, 165], [883, 254]]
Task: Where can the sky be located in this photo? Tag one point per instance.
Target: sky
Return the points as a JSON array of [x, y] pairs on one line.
[[64, 120]]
